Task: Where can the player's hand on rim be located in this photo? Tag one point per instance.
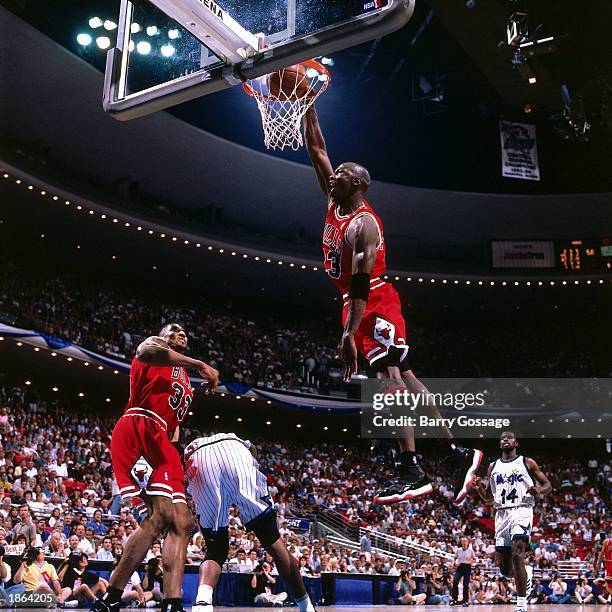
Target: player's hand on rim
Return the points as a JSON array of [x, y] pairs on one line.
[[210, 376], [347, 351]]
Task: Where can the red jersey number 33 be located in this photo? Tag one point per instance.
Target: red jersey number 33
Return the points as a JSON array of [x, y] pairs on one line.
[[181, 396]]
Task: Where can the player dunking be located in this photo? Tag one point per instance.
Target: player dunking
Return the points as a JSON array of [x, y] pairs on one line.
[[147, 465], [221, 471], [511, 487], [354, 251]]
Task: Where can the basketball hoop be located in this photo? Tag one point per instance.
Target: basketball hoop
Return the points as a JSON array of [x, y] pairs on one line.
[[282, 114]]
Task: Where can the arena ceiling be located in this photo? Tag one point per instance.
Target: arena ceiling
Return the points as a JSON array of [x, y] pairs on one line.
[[58, 120], [449, 140]]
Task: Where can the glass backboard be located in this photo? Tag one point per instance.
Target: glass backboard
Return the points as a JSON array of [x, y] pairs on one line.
[[171, 51]]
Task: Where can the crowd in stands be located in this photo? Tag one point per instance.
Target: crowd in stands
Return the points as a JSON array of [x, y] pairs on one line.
[[261, 350], [60, 495]]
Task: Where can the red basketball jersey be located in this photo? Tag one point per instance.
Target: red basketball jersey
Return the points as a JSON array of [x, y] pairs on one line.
[[608, 556], [163, 390], [337, 250]]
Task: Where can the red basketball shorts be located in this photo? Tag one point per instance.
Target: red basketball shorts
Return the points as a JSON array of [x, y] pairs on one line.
[[145, 461], [381, 337]]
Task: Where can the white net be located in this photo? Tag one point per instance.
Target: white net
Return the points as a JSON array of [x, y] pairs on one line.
[[283, 99]]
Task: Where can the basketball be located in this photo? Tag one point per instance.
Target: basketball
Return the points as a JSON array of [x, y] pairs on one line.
[[290, 83]]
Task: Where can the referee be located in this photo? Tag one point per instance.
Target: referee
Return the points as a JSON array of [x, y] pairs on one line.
[[465, 559]]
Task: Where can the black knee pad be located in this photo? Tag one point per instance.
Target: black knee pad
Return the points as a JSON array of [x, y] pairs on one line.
[[217, 545], [265, 527]]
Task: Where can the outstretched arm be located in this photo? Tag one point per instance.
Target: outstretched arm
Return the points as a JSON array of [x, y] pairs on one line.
[[363, 234], [544, 487], [155, 351], [317, 150]]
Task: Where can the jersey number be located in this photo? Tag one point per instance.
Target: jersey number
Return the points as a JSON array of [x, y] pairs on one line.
[[334, 264], [176, 401], [510, 497]]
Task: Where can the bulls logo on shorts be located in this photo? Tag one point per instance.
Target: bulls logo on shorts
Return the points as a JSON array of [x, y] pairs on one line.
[[141, 472], [384, 332]]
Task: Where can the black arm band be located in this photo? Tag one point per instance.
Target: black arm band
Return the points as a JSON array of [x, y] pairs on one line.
[[360, 286]]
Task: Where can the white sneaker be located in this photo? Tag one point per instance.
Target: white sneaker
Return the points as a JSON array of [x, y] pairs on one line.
[[73, 603], [201, 606], [529, 588]]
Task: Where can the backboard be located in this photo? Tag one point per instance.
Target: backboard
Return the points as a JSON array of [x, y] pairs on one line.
[[171, 51]]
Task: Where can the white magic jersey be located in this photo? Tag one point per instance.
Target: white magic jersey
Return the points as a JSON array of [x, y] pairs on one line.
[[509, 483]]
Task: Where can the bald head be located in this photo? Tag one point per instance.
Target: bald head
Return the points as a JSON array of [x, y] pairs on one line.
[[361, 173]]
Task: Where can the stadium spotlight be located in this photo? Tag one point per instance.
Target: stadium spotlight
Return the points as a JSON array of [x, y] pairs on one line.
[[173, 34], [109, 25], [143, 47], [152, 31], [327, 61], [95, 22], [135, 28], [323, 77], [131, 46], [84, 39], [103, 42], [311, 73]]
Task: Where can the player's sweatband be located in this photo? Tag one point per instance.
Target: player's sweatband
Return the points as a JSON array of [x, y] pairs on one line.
[[360, 286]]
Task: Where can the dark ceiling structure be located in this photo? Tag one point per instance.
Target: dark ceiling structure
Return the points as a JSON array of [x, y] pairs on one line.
[[422, 106]]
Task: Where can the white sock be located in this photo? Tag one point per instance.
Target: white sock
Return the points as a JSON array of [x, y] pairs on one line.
[[521, 602], [205, 594], [304, 604]]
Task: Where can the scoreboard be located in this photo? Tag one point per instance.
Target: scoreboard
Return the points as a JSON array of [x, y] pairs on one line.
[[584, 256]]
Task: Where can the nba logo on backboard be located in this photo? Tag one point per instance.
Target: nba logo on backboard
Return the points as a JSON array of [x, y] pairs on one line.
[[141, 472], [373, 4]]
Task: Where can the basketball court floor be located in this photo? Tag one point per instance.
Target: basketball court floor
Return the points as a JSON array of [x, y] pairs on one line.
[[498, 608]]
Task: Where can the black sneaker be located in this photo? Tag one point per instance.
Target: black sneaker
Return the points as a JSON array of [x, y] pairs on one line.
[[466, 462], [401, 489], [105, 605]]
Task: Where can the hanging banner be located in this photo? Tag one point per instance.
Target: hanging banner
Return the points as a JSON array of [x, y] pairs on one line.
[[293, 399], [519, 151]]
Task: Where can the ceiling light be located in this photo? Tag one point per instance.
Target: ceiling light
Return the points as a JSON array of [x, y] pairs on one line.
[[167, 50], [84, 39], [103, 42], [143, 47]]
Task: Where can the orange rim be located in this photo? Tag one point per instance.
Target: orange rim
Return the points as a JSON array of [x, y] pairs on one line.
[[309, 64]]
